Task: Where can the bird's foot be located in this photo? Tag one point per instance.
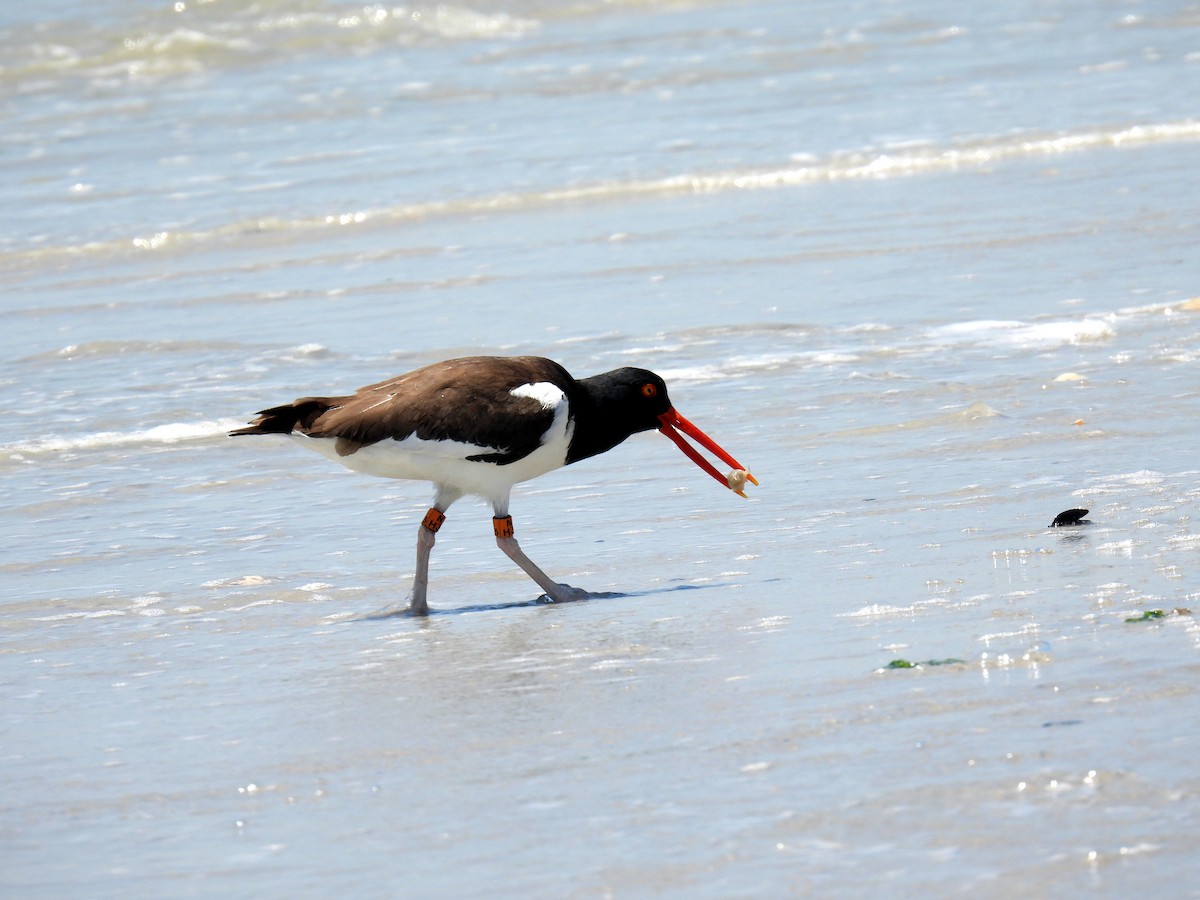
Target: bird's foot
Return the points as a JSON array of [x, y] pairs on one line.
[[564, 593], [401, 612], [416, 609]]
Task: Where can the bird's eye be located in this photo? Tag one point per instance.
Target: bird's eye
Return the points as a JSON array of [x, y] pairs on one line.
[[649, 390]]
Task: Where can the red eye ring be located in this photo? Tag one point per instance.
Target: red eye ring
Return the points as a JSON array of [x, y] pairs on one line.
[[649, 390]]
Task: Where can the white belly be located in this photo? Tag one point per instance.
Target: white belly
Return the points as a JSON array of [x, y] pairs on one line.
[[445, 463]]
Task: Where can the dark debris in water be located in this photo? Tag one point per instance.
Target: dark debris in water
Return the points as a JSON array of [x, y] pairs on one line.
[[1070, 517]]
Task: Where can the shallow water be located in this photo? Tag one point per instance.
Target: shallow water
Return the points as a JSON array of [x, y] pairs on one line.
[[929, 271]]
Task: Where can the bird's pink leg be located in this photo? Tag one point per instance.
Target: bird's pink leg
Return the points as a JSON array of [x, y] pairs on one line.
[[560, 593], [433, 520]]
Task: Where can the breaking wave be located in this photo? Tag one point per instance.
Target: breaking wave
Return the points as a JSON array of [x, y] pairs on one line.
[[909, 161], [171, 433]]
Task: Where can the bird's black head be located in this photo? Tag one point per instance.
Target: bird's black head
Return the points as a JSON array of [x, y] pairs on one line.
[[635, 396]]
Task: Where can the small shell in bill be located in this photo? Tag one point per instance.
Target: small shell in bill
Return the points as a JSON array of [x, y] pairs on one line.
[[736, 479]]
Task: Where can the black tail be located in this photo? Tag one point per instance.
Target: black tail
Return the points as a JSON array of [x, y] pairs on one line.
[[286, 419]]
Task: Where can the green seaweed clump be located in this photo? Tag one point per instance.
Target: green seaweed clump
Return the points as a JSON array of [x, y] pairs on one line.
[[905, 664], [1148, 616]]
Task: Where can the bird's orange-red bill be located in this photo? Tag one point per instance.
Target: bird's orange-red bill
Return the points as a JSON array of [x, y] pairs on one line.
[[671, 420]]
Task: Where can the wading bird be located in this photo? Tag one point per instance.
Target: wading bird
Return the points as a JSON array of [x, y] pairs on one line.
[[480, 425]]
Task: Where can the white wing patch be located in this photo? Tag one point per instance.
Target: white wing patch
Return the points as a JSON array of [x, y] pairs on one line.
[[543, 392]]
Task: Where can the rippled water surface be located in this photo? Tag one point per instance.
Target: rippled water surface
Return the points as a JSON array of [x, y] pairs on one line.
[[928, 269]]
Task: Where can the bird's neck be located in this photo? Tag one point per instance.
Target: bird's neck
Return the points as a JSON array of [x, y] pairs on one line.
[[599, 426]]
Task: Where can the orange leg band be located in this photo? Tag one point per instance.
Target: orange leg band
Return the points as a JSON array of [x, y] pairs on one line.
[[503, 526], [433, 519]]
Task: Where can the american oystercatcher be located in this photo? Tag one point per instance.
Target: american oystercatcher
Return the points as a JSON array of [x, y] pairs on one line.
[[480, 425]]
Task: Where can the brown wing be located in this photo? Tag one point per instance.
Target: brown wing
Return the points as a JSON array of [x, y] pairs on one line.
[[467, 400]]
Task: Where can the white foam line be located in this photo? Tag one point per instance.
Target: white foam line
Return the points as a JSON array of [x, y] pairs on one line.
[[1024, 334], [867, 163], [171, 433]]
